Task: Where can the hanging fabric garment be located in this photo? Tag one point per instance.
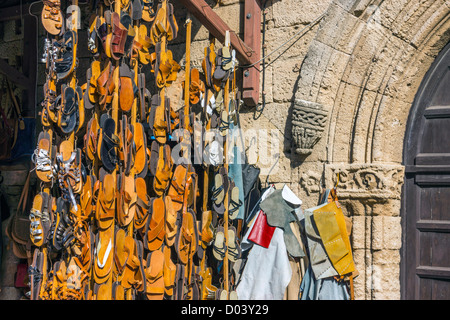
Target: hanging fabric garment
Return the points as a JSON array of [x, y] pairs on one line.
[[268, 280], [319, 261], [267, 271], [281, 208], [322, 289], [235, 171]]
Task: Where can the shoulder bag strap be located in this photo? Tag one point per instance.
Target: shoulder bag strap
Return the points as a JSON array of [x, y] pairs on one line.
[[16, 106], [24, 196]]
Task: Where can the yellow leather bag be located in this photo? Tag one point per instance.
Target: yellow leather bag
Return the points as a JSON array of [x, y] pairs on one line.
[[330, 222]]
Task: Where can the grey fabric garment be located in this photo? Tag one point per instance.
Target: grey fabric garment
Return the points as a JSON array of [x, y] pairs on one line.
[[280, 214], [322, 289]]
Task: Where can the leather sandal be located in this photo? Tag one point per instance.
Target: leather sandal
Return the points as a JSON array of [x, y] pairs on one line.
[[140, 143], [208, 290], [209, 64], [91, 138], [85, 240], [51, 16], [155, 228], [70, 170], [172, 26], [126, 144], [36, 273], [81, 107], [177, 186], [109, 145], [168, 69], [40, 215], [95, 71], [86, 198], [141, 44], [219, 189], [187, 237], [128, 265], [103, 255], [48, 115], [105, 85], [160, 125], [126, 200], [61, 228], [158, 27], [169, 272], [66, 54], [196, 86], [118, 291], [68, 116], [127, 88], [105, 206], [234, 202], [154, 275], [92, 35], [119, 35], [148, 13], [207, 233], [134, 276], [171, 216], [163, 172], [121, 254], [184, 238], [143, 204], [219, 246], [144, 96], [44, 158], [234, 249]]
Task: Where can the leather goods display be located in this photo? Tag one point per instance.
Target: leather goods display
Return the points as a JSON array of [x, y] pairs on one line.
[[116, 215], [122, 210]]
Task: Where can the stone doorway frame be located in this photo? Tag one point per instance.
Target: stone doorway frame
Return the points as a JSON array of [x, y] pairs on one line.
[[362, 70]]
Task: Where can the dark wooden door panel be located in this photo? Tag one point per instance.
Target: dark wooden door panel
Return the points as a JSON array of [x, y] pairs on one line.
[[433, 288], [425, 266], [434, 203], [436, 136], [433, 252]]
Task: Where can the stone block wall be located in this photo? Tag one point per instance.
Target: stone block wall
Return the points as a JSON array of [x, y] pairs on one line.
[[337, 99]]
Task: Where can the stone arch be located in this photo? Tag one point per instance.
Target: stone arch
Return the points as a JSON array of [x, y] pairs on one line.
[[363, 69], [364, 66]]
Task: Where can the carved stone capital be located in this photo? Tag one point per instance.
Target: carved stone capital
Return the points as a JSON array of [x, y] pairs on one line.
[[366, 181], [308, 123]]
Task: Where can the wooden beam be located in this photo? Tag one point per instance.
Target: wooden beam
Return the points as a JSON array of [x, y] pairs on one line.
[[30, 56], [14, 76], [252, 37], [212, 21], [13, 13]]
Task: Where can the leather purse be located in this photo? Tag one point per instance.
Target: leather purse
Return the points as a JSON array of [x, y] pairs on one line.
[[261, 232]]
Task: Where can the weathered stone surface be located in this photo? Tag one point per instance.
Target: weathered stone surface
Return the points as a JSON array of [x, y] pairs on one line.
[[300, 11], [366, 181], [308, 124], [386, 233]]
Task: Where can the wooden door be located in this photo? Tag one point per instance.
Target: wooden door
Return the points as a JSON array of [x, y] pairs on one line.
[[425, 265]]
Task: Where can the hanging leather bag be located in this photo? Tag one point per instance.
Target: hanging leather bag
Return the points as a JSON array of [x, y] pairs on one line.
[[24, 132]]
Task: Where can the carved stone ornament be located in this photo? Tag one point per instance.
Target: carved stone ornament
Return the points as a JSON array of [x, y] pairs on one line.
[[308, 123], [377, 181]]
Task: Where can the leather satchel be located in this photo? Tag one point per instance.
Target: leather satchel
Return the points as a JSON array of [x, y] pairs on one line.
[[261, 232]]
